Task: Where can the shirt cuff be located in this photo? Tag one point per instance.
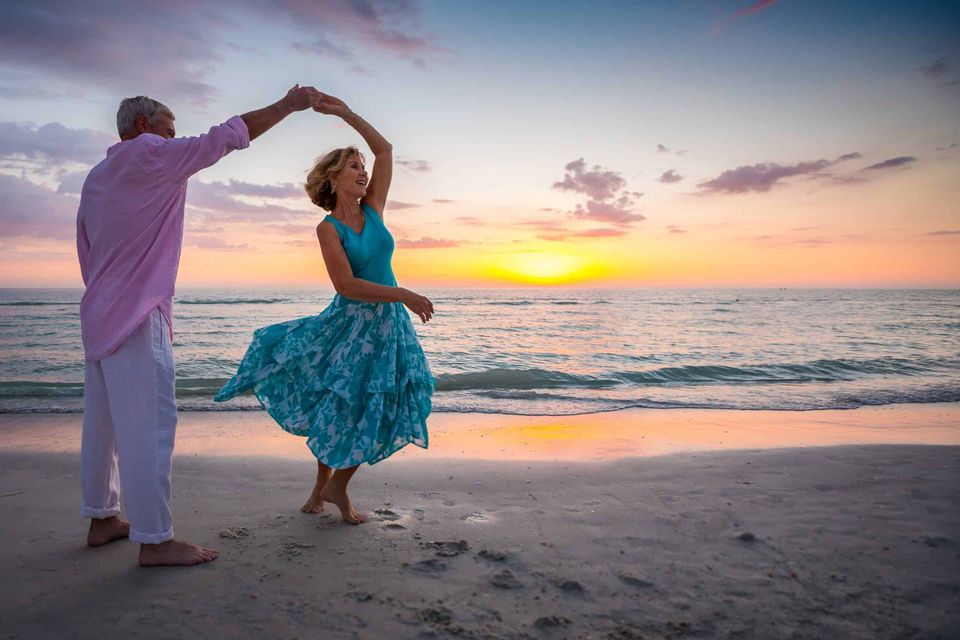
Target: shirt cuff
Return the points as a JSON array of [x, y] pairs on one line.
[[240, 127]]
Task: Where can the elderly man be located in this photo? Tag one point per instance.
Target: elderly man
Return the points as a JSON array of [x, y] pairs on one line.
[[129, 233]]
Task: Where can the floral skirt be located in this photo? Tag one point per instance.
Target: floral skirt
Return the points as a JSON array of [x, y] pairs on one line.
[[353, 380]]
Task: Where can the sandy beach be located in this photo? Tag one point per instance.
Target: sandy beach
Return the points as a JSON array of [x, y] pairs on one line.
[[634, 524]]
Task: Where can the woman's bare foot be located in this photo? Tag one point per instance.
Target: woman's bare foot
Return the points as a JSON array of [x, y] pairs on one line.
[[104, 530], [335, 491], [340, 498], [175, 553], [314, 503]]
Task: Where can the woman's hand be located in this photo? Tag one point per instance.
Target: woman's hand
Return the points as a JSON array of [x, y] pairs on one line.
[[300, 98], [419, 304], [331, 106]]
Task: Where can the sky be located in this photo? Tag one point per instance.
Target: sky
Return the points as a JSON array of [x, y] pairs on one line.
[[727, 143]]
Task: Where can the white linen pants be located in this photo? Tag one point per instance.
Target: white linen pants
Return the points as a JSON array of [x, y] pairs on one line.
[[130, 414]]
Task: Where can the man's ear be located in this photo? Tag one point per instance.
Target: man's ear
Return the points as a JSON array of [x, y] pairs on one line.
[[142, 124]]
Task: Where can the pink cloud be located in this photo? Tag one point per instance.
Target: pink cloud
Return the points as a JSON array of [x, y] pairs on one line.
[[669, 177], [760, 177], [394, 204], [420, 166], [426, 243], [597, 183]]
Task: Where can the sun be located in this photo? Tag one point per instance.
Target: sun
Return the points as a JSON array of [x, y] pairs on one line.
[[545, 268]]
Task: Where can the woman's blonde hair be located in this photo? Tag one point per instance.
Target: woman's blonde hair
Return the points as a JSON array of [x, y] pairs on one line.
[[319, 185]]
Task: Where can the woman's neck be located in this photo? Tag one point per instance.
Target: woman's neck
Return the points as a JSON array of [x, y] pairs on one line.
[[349, 209]]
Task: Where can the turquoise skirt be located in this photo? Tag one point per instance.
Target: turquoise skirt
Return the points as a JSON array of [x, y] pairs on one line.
[[353, 380]]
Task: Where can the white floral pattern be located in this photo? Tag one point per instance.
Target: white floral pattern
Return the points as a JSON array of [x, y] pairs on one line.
[[354, 380]]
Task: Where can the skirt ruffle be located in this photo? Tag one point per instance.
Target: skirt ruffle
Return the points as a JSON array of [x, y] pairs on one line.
[[353, 380]]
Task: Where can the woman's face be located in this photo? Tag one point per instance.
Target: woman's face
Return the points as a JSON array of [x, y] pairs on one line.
[[351, 182]]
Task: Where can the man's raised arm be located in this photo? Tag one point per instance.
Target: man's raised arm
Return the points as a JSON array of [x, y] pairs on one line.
[[297, 99], [183, 157]]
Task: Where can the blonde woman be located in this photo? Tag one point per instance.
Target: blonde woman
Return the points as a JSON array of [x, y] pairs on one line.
[[353, 380]]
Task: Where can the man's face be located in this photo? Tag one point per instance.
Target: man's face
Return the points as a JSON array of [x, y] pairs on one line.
[[162, 125]]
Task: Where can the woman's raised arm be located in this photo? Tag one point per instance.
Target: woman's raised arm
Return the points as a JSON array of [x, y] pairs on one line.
[[382, 173]]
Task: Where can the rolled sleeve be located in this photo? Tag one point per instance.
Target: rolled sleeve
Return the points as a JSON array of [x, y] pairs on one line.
[[180, 158]]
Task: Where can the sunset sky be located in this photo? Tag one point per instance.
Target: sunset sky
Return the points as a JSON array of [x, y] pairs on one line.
[[719, 143]]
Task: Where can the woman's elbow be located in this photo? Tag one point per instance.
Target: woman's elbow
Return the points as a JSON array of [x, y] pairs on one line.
[[343, 286]]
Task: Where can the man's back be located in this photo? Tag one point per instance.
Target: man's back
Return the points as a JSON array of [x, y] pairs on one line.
[[130, 229]]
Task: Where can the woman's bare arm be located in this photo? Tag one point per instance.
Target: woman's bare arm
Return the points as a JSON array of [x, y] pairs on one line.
[[382, 173], [349, 286]]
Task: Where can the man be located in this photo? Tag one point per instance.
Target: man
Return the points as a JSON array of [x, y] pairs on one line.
[[129, 234]]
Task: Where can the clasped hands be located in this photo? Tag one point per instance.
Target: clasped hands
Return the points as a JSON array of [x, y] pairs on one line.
[[300, 98]]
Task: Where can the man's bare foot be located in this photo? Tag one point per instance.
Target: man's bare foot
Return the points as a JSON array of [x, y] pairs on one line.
[[333, 492], [104, 530], [175, 553], [314, 503]]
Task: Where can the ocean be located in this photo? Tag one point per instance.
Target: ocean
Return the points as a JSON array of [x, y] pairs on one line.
[[555, 351]]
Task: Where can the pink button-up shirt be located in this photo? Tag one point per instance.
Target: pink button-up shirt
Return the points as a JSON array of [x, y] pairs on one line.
[[130, 229]]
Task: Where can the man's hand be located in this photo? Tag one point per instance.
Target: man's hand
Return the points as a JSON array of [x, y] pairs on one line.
[[300, 98]]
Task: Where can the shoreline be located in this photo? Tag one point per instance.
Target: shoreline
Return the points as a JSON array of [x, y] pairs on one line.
[[598, 436]]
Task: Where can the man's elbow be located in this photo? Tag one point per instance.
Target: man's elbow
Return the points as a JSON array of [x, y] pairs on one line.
[[385, 150]]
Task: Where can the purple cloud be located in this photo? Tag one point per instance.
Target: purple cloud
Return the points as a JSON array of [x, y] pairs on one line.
[[756, 7], [662, 149], [420, 166], [944, 232], [389, 26], [675, 229], [285, 190], [443, 201], [849, 156], [79, 42], [216, 201], [936, 69], [471, 220], [180, 42], [600, 185], [30, 209], [53, 143], [323, 47], [669, 177], [892, 162], [394, 204], [759, 177], [426, 243], [597, 183], [216, 243], [616, 213]]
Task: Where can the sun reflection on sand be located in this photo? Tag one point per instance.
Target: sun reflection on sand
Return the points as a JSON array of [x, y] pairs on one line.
[[591, 437]]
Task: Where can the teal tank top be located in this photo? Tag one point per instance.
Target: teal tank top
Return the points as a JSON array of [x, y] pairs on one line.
[[370, 251]]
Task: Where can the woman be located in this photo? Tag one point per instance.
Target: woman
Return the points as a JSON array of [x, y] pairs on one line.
[[353, 379]]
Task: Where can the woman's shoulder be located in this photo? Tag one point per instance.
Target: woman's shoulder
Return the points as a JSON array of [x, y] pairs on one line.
[[368, 209], [327, 225]]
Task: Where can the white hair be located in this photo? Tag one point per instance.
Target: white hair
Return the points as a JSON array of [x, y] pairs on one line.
[[132, 108]]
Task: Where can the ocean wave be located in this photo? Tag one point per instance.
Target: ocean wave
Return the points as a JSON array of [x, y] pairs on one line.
[[37, 303], [236, 301], [817, 371]]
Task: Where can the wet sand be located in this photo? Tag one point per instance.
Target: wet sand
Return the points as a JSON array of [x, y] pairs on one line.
[[637, 524]]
